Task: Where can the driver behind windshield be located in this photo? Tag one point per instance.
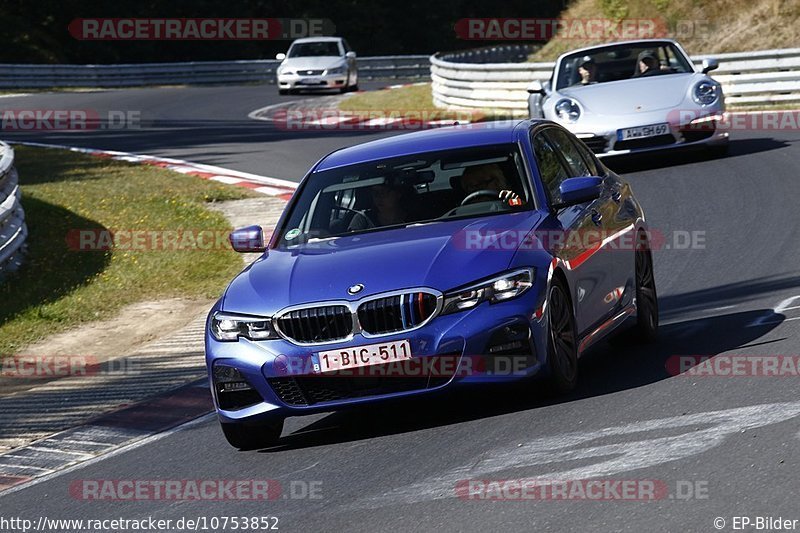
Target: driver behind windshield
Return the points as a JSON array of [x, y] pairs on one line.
[[489, 177]]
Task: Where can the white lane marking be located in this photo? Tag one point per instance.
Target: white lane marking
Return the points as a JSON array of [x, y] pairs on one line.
[[784, 305], [123, 449], [701, 432], [57, 450]]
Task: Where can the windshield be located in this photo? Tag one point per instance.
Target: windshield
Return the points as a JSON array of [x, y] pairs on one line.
[[621, 62], [315, 49], [419, 188]]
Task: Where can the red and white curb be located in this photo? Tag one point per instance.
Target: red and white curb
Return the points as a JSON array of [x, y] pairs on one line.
[[261, 184]]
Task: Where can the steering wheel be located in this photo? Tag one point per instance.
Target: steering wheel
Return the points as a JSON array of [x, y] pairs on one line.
[[357, 212], [480, 194]]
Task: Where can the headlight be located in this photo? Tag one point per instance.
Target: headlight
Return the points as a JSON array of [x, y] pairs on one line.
[[337, 70], [286, 73], [503, 287], [568, 109], [227, 327], [706, 93]]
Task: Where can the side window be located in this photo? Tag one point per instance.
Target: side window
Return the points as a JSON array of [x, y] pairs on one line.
[[588, 157], [550, 166], [576, 163]]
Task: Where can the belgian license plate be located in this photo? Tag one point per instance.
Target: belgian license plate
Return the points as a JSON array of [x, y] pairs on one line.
[[641, 132], [366, 355]]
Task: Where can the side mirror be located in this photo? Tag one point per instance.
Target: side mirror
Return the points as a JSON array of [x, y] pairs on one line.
[[280, 57], [249, 239], [535, 87], [575, 191], [350, 55], [710, 64]]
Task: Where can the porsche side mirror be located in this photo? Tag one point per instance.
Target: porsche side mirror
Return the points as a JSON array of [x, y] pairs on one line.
[[249, 239], [710, 64], [535, 87]]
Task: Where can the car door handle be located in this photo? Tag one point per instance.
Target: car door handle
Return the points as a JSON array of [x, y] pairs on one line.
[[597, 217]]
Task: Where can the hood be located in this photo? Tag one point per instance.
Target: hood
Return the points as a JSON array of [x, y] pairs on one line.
[[437, 255], [312, 63], [632, 96]]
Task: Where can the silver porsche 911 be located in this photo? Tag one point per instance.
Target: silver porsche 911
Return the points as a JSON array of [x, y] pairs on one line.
[[633, 96]]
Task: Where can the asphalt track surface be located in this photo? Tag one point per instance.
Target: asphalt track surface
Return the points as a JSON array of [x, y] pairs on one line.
[[391, 467]]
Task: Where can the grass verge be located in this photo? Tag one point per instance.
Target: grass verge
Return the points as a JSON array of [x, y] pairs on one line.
[[58, 287], [411, 102]]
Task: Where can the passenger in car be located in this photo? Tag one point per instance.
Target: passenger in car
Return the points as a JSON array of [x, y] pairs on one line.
[[390, 205]]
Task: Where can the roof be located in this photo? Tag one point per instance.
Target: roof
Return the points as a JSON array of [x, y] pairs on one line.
[[479, 134], [618, 43], [317, 39]]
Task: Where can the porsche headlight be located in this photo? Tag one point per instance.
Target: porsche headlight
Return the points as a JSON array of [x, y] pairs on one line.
[[337, 70], [706, 92], [228, 327], [503, 287], [567, 109]]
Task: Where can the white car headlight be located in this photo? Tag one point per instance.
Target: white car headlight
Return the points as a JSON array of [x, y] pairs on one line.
[[568, 109], [336, 70], [706, 92], [503, 287], [229, 327]]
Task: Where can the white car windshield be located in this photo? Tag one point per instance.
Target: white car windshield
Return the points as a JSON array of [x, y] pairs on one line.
[[621, 62], [315, 49]]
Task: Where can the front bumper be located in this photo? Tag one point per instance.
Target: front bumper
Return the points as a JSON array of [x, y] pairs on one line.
[[311, 82], [459, 348], [693, 128]]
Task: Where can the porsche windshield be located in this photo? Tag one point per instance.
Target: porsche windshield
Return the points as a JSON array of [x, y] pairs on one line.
[[621, 62], [414, 189]]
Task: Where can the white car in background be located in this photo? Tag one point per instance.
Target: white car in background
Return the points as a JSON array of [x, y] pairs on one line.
[[633, 96], [318, 63]]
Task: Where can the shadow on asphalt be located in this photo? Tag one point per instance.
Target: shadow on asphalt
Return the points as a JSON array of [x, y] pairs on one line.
[[689, 156], [606, 369]]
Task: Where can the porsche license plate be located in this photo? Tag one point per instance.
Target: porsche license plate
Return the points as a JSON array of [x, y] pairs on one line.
[[641, 132], [366, 355]]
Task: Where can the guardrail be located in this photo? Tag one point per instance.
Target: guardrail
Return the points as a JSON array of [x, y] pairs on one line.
[[190, 73], [747, 78], [13, 231]]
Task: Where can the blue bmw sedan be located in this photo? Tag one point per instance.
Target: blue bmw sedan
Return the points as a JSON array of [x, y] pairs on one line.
[[406, 265]]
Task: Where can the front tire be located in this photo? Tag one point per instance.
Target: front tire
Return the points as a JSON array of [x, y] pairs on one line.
[[251, 437], [646, 295], [562, 340]]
